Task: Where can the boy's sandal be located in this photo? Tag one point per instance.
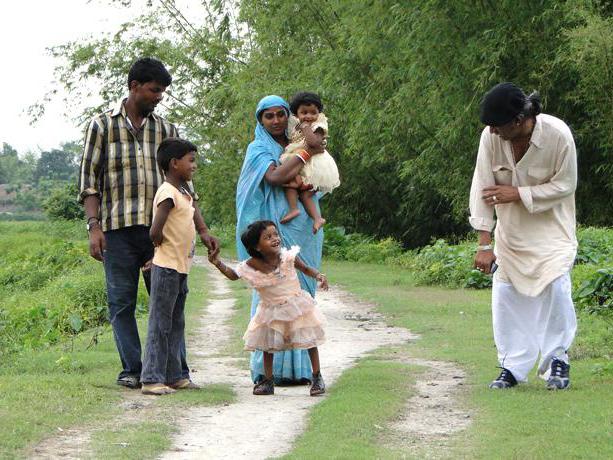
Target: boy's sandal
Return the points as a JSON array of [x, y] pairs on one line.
[[157, 389], [184, 384]]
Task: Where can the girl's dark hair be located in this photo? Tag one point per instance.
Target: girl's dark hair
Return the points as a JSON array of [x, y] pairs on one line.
[[149, 69], [251, 237], [173, 147], [305, 98]]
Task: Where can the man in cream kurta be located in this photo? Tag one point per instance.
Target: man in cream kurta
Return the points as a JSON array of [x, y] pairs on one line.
[[526, 174]]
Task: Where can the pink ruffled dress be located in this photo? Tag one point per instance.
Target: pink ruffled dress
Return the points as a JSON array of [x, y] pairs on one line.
[[286, 317]]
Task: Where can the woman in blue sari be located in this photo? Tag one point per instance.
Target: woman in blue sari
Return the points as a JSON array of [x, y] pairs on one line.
[[260, 195]]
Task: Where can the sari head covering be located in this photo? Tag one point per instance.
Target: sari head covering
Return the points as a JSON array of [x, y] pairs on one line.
[[256, 199]]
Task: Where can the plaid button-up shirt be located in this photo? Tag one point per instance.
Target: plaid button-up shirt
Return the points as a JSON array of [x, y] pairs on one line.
[[119, 165]]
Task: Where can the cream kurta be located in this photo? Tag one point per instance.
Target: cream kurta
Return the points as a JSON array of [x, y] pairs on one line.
[[535, 237]]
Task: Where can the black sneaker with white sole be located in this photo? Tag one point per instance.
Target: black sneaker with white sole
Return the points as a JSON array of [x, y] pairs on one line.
[[504, 380], [559, 378]]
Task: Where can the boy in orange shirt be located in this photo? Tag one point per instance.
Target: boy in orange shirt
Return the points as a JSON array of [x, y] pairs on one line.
[[173, 235]]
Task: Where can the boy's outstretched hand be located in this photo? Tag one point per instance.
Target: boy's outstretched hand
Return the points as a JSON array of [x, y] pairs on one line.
[[323, 281]]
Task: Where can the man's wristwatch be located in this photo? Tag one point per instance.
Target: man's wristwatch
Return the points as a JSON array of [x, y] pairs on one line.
[[91, 222], [485, 247]]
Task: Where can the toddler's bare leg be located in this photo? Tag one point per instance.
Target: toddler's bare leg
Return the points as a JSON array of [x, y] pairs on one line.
[[291, 194], [306, 197]]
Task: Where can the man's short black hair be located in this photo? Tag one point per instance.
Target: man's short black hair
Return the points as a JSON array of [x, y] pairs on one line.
[[305, 98], [173, 147], [149, 69]]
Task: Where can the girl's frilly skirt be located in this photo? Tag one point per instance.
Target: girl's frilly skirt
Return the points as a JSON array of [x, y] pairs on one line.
[[320, 171], [296, 323]]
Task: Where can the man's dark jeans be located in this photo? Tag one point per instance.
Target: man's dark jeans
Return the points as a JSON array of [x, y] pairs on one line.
[[162, 363], [127, 250]]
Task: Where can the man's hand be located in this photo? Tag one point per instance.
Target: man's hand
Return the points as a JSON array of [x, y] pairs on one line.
[[500, 194], [97, 243], [147, 265], [484, 261], [211, 243]]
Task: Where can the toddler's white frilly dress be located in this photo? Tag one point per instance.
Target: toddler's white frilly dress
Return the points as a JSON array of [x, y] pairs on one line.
[[321, 170], [286, 317]]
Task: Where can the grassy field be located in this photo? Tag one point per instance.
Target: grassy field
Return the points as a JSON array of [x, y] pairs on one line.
[[58, 372], [455, 325], [73, 384]]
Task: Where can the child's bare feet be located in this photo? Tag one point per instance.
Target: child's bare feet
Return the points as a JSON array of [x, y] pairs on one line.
[[290, 215], [318, 223]]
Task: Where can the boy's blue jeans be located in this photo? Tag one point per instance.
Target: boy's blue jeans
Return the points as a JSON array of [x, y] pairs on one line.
[[127, 250], [162, 362]]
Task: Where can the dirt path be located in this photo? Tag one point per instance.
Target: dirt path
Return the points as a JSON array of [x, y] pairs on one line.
[[354, 329]]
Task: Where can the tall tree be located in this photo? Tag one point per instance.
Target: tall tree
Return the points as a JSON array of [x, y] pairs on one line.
[[400, 81]]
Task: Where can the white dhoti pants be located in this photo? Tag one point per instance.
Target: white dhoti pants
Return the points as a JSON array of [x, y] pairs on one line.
[[526, 326]]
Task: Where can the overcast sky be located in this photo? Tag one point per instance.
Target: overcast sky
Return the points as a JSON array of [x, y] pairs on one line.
[[27, 28]]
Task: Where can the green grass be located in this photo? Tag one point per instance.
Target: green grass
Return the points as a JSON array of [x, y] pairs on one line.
[[455, 325], [70, 384], [349, 422]]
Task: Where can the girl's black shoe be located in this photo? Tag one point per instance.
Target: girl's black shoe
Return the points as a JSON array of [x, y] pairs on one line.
[[265, 387], [318, 387]]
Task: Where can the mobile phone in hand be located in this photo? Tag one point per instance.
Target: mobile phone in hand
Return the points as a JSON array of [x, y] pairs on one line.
[[493, 267]]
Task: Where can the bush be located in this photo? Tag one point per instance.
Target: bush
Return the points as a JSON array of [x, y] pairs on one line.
[[595, 245], [448, 265], [49, 286], [63, 203], [594, 294]]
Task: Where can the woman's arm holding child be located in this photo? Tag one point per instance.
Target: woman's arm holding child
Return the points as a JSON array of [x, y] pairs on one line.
[[161, 214], [223, 268], [310, 271]]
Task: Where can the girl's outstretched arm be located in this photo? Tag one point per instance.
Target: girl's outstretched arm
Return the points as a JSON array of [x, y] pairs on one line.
[[313, 273], [223, 268]]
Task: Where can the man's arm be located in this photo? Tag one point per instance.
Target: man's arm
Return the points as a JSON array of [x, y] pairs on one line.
[[542, 197], [482, 213], [89, 195]]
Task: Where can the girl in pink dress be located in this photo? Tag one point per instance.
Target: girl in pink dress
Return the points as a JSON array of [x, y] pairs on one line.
[[287, 317]]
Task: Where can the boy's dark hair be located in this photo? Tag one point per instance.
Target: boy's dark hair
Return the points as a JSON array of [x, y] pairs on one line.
[[149, 69], [305, 98], [173, 147], [251, 237]]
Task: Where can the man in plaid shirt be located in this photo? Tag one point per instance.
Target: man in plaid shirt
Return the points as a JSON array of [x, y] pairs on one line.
[[118, 179]]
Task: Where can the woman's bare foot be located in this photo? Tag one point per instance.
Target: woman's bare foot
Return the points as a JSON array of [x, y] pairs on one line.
[[290, 215], [317, 224]]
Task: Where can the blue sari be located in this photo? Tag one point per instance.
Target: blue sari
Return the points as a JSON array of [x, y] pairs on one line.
[[256, 199]]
